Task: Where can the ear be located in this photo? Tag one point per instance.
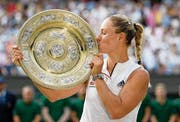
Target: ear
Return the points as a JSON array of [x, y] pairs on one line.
[[122, 36]]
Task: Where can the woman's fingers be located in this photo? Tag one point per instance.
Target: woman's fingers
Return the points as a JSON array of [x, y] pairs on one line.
[[16, 62], [14, 46], [98, 54], [96, 63], [16, 55], [98, 59], [91, 65]]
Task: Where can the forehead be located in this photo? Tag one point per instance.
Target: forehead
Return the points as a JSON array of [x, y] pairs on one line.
[[107, 24]]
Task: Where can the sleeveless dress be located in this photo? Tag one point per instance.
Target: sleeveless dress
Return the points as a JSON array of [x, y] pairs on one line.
[[93, 110]]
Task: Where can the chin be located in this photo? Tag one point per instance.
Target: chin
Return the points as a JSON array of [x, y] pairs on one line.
[[100, 51]]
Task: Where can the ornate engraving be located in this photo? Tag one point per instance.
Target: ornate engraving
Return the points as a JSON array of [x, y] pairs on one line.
[[40, 48], [46, 18], [90, 42], [56, 45], [71, 20], [26, 55], [58, 35], [73, 52], [26, 35], [55, 66], [57, 50]]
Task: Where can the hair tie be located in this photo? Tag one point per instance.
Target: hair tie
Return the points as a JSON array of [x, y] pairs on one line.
[[134, 27], [139, 62]]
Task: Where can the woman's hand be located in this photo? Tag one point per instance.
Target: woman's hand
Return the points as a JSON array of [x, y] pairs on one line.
[[16, 55], [96, 64]]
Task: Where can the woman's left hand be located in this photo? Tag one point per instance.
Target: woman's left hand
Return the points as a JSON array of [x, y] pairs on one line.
[[96, 64]]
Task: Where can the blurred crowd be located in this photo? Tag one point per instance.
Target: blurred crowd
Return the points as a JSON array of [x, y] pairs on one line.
[[161, 54], [32, 108], [160, 18]]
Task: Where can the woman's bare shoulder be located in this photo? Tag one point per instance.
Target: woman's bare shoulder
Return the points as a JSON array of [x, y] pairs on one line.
[[141, 74]]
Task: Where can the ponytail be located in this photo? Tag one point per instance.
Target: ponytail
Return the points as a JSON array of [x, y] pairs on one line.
[[138, 41]]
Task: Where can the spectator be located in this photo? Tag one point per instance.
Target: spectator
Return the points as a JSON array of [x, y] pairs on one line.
[[7, 102], [27, 110], [144, 112], [55, 112], [155, 16], [162, 108], [177, 105]]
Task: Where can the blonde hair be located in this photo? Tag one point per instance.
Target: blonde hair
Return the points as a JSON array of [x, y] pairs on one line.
[[132, 30], [138, 41]]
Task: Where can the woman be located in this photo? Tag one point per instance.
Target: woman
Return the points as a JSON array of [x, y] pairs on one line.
[[117, 85]]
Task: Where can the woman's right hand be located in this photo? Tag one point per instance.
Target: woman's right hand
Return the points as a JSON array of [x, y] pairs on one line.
[[16, 55]]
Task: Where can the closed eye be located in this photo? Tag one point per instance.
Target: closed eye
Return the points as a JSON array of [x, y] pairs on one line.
[[103, 33]]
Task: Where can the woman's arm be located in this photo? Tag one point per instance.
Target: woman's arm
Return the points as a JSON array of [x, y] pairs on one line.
[[131, 94], [54, 95]]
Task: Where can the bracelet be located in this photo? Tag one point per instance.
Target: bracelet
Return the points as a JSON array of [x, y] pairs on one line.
[[98, 76]]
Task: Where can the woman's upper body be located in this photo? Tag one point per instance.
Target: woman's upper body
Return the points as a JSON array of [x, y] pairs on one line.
[[93, 109], [116, 34]]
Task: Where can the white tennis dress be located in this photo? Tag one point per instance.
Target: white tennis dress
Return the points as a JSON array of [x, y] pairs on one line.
[[93, 108]]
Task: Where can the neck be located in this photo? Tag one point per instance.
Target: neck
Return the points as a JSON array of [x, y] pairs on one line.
[[118, 56], [115, 57], [161, 100]]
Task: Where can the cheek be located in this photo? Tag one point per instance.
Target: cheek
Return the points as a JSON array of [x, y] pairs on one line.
[[106, 40], [104, 46], [107, 43], [103, 43]]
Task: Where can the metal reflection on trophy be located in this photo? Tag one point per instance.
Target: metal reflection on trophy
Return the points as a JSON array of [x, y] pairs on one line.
[[57, 46]]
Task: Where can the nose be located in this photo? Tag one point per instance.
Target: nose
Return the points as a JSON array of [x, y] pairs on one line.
[[98, 38]]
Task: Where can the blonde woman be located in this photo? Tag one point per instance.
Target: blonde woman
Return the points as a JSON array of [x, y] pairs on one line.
[[117, 85]]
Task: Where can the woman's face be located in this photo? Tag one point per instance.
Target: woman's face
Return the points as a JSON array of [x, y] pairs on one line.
[[107, 39]]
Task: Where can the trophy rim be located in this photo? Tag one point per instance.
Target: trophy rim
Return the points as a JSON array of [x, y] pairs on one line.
[[60, 78]]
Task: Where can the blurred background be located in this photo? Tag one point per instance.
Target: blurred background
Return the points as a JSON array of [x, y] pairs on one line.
[[161, 47]]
